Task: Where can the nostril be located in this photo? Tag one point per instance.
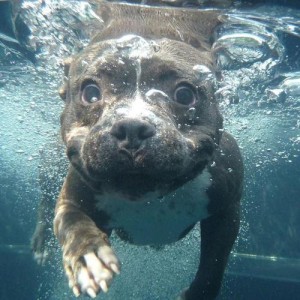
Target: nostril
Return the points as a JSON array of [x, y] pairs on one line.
[[146, 131], [119, 131]]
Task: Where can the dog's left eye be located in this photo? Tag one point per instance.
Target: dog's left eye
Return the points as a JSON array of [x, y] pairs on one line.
[[185, 95], [91, 93]]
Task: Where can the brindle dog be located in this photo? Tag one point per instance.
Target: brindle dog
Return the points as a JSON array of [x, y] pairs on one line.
[[148, 154]]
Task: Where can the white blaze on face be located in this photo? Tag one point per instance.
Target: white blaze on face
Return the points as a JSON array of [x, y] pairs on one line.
[[137, 109], [135, 48]]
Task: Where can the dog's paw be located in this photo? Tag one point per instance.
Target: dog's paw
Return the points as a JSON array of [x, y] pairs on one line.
[[39, 243], [92, 272]]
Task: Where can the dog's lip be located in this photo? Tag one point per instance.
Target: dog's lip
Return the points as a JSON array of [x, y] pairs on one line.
[[133, 172], [136, 157]]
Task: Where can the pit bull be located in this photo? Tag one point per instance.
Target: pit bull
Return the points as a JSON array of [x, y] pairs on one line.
[[149, 157]]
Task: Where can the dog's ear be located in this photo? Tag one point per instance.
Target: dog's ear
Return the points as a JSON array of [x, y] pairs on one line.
[[63, 89], [192, 26]]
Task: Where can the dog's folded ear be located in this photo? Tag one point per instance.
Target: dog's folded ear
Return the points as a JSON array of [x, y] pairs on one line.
[[191, 26], [63, 89]]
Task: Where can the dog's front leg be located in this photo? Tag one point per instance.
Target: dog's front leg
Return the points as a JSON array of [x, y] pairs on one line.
[[218, 234], [88, 260]]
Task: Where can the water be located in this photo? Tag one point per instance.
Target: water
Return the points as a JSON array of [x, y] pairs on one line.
[[258, 51]]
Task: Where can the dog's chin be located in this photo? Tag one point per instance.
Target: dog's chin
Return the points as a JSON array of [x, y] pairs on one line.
[[135, 183], [135, 186], [131, 184], [130, 181]]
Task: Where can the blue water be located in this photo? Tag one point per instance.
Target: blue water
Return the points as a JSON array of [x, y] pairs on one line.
[[258, 51]]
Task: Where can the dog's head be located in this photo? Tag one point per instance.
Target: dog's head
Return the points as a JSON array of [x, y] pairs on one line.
[[140, 112]]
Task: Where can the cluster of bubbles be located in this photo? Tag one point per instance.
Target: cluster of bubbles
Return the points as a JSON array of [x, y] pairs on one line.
[[258, 93], [261, 75]]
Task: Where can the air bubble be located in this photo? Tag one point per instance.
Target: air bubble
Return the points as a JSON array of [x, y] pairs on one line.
[[191, 113], [154, 94]]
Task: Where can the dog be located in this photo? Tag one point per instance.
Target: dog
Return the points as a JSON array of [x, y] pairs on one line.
[[149, 157]]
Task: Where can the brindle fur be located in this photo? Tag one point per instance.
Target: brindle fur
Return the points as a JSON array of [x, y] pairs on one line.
[[182, 40]]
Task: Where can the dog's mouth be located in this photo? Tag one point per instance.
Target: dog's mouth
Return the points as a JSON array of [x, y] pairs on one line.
[[138, 160], [133, 175], [135, 157], [134, 185]]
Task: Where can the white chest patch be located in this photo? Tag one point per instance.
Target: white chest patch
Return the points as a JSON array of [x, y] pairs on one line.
[[157, 221]]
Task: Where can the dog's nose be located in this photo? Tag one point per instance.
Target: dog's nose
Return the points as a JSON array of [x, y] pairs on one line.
[[131, 133]]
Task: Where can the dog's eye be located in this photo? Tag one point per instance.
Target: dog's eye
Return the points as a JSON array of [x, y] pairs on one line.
[[185, 95], [91, 93]]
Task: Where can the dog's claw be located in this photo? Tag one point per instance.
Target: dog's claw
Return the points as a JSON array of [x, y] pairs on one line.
[[115, 268], [91, 293], [92, 272], [41, 257], [103, 286], [76, 291]]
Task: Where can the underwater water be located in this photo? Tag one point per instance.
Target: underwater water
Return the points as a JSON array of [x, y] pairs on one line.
[[258, 52]]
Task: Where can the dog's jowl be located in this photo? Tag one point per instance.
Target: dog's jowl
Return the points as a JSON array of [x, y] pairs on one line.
[[148, 155]]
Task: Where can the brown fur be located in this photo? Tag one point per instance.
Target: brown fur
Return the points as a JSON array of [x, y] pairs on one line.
[[169, 157]]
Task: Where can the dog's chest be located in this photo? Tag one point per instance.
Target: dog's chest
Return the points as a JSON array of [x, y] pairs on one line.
[[157, 221]]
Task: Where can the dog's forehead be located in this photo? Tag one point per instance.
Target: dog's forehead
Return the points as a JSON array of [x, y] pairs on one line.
[[160, 54]]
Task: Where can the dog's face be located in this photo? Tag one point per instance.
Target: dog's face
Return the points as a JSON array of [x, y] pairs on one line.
[[140, 114]]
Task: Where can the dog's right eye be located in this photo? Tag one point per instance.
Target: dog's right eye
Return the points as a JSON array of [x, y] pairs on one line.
[[91, 93], [185, 95]]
